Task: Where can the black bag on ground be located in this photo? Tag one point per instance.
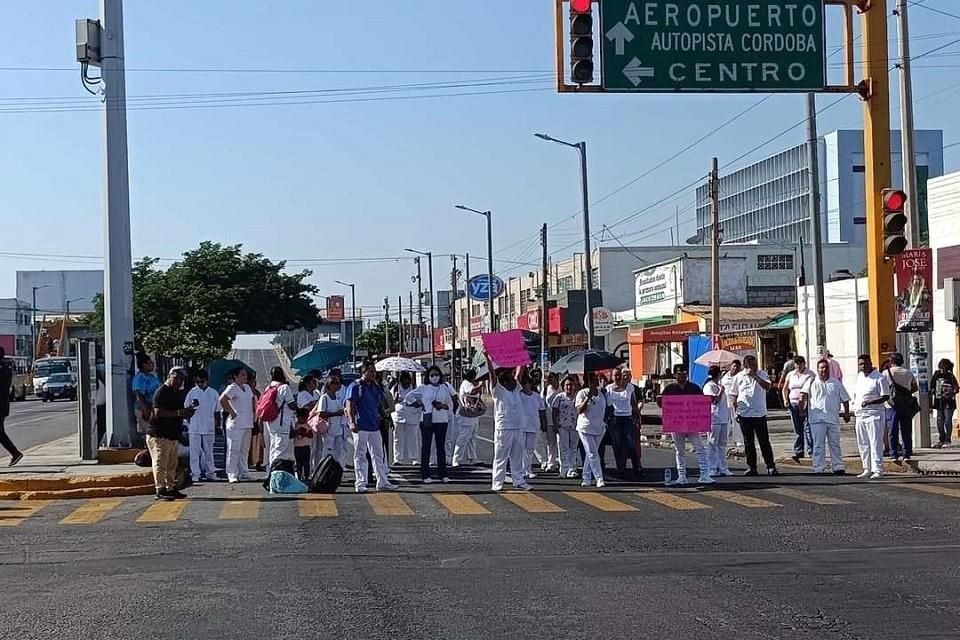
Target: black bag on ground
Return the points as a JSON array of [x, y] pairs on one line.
[[279, 465], [327, 476]]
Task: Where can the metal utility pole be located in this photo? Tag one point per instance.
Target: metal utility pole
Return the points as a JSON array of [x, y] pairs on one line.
[[386, 325], [353, 317], [454, 277], [467, 304], [433, 300], [813, 169], [419, 304], [33, 322], [919, 342], [715, 254], [543, 295], [400, 322], [488, 216], [806, 299], [410, 332]]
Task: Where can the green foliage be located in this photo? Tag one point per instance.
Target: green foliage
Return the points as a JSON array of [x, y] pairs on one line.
[[195, 308], [373, 339]]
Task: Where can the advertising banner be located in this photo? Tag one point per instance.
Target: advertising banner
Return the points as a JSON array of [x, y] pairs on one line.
[[335, 308], [914, 269]]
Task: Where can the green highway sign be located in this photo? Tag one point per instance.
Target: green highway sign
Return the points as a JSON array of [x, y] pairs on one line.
[[712, 45]]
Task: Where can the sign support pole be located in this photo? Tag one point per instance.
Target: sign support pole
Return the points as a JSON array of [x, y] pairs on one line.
[[715, 255], [543, 296]]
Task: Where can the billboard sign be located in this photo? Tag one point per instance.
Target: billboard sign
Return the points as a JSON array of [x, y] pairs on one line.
[[335, 308], [914, 269], [480, 288]]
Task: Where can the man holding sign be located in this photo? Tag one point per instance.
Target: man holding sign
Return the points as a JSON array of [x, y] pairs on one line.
[[686, 414]]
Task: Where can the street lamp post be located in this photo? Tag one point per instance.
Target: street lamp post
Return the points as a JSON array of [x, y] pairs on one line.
[[33, 321], [63, 326], [353, 319], [581, 147], [433, 301], [488, 216]]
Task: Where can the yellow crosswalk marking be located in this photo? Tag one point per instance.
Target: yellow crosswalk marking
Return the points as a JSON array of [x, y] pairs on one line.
[[460, 504], [931, 488], [240, 510], [163, 512], [13, 513], [317, 506], [93, 511], [531, 503], [805, 496], [599, 501], [389, 504], [741, 499], [672, 500]]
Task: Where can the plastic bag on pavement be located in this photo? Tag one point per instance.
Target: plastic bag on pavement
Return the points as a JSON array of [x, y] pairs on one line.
[[283, 482]]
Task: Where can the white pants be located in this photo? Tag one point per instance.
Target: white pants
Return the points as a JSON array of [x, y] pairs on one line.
[[549, 440], [465, 448], [824, 432], [591, 465], [201, 455], [529, 450], [238, 451], [679, 443], [508, 445], [717, 448], [568, 450], [870, 442], [370, 441], [453, 430], [406, 443], [335, 446], [318, 450], [276, 437]]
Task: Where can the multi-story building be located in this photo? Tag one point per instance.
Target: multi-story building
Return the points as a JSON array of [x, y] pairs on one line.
[[54, 288], [15, 333], [769, 199]]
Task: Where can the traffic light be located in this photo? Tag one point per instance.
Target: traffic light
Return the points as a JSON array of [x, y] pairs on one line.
[[894, 222], [581, 41]]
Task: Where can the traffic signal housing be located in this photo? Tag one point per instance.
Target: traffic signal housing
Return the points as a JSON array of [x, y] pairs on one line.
[[581, 41], [894, 222]]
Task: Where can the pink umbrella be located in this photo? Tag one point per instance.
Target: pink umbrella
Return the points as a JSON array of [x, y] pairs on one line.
[[720, 357]]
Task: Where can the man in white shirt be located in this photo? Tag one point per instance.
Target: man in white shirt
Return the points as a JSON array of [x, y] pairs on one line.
[[821, 399], [202, 427], [719, 424], [871, 393], [793, 384], [750, 402]]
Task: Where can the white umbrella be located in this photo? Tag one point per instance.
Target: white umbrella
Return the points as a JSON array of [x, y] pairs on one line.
[[720, 357], [396, 364]]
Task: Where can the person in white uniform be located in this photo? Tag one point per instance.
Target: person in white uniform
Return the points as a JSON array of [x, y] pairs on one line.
[[870, 395], [719, 424], [728, 382], [793, 385], [331, 409], [508, 424], [237, 401], [534, 421], [564, 409], [820, 400], [591, 406], [406, 421], [278, 432], [308, 396], [551, 436], [623, 427], [202, 428], [439, 402], [471, 401], [750, 401]]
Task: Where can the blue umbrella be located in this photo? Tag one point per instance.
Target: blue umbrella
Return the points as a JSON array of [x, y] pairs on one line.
[[218, 370], [321, 355]]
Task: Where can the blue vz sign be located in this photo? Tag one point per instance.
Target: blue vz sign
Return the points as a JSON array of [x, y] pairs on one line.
[[480, 287]]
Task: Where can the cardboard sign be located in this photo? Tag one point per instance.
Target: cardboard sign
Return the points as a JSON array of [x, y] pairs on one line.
[[686, 414], [506, 348]]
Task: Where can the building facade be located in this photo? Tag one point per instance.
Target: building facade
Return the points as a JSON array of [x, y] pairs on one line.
[[15, 315], [55, 288]]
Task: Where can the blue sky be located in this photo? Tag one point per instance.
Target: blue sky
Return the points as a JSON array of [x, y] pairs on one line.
[[366, 179]]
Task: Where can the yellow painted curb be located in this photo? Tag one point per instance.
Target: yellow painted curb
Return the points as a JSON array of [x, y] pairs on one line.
[[852, 465], [76, 494], [117, 456], [136, 479]]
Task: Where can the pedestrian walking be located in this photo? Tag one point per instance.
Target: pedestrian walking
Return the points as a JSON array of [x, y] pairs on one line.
[[363, 412], [406, 421], [471, 401], [591, 404], [303, 437], [870, 396], [683, 386], [534, 422], [821, 400], [903, 384], [277, 409], [794, 383], [551, 437], [719, 424], [564, 409], [750, 402], [508, 427], [945, 387], [626, 413], [238, 401], [6, 379], [202, 427], [439, 401], [144, 386], [331, 410], [164, 431]]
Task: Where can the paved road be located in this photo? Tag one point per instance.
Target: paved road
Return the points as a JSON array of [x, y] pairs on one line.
[[33, 422], [261, 361]]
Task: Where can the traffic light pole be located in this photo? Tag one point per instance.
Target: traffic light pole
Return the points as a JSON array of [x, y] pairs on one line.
[[587, 257], [813, 168]]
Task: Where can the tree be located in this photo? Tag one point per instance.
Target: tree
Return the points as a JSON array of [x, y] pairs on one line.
[[195, 308], [373, 339]]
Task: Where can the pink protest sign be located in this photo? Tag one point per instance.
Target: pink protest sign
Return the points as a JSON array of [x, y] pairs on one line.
[[506, 348], [686, 414]]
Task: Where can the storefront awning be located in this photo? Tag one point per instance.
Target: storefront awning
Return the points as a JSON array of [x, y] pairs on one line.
[[668, 333], [785, 321]]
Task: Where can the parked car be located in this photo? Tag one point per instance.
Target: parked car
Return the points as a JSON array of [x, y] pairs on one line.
[[58, 386]]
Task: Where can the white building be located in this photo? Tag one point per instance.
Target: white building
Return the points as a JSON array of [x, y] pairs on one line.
[[15, 327], [55, 288]]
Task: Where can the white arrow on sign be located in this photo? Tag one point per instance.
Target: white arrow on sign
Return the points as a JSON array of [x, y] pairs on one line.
[[620, 35], [635, 70]]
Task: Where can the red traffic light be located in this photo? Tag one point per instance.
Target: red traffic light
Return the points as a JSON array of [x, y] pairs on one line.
[[894, 200], [581, 6]]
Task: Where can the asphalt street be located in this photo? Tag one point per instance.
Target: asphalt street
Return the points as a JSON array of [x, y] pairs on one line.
[[33, 422]]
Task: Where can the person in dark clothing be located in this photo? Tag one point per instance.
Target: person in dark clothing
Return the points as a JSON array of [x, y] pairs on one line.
[[6, 379], [945, 387], [683, 387], [164, 431]]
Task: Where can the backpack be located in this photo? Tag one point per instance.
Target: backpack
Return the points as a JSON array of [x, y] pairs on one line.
[[327, 476], [278, 465], [267, 408]]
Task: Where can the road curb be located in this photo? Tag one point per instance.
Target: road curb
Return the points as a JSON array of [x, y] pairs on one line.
[[851, 465], [75, 483], [77, 494]]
